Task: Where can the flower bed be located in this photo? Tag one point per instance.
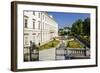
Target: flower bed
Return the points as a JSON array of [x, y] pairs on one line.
[[49, 45], [74, 44]]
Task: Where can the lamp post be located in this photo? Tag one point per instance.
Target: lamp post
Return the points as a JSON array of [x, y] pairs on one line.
[[85, 51], [30, 50]]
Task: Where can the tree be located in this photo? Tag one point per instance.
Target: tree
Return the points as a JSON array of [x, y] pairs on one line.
[[86, 26], [77, 27]]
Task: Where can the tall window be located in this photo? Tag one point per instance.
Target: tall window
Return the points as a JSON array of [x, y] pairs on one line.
[[43, 17], [34, 38], [39, 24], [39, 14], [26, 40], [33, 23], [43, 25], [26, 22], [33, 12]]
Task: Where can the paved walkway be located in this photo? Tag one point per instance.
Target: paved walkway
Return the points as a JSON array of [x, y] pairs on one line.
[[48, 54]]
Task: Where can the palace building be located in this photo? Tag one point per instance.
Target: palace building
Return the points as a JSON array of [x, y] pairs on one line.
[[39, 27]]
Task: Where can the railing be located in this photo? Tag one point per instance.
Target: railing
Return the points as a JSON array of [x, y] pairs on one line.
[[72, 53], [30, 55], [78, 51]]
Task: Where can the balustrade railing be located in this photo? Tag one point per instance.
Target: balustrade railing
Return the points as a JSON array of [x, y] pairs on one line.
[[72, 53], [78, 52]]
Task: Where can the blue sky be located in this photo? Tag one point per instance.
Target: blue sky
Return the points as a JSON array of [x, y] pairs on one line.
[[66, 19]]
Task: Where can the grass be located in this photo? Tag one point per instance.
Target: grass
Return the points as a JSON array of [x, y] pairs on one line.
[[74, 44], [49, 45]]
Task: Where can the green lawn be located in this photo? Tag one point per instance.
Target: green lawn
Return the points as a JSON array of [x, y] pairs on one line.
[[49, 45], [74, 44]]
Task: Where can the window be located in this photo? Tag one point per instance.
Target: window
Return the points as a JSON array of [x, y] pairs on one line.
[[43, 17], [33, 38], [39, 14], [26, 21], [26, 40], [39, 24], [33, 12], [33, 23], [43, 25]]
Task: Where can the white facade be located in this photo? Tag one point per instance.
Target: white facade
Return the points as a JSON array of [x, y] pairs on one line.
[[39, 27]]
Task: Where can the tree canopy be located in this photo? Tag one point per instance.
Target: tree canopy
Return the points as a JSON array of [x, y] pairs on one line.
[[80, 27]]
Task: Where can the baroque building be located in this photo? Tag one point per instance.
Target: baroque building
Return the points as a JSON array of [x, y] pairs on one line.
[[39, 27]]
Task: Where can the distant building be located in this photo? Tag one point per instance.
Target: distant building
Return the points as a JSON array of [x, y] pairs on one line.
[[39, 27], [67, 29]]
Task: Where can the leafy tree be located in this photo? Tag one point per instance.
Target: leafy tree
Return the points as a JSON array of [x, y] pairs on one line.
[[77, 27], [86, 26], [81, 27]]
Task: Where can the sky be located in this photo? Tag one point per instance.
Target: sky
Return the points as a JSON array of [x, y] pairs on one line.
[[67, 19]]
